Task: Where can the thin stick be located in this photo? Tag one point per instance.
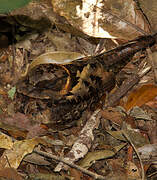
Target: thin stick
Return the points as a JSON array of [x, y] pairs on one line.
[[141, 164], [60, 159]]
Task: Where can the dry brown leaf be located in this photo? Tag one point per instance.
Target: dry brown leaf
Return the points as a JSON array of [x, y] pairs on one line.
[[113, 115], [13, 157], [150, 11], [10, 173], [124, 170], [5, 141], [117, 169], [75, 173], [34, 158], [19, 120], [141, 96], [14, 131], [106, 19], [36, 131]]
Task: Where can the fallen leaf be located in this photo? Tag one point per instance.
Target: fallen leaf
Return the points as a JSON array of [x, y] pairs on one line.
[[91, 157], [117, 169], [113, 115], [13, 157], [141, 96], [10, 173], [75, 173], [35, 158], [136, 137], [14, 131], [105, 19], [36, 131], [139, 113], [19, 120], [149, 10], [11, 92], [5, 141]]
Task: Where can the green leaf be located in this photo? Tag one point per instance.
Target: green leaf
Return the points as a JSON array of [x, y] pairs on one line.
[[11, 92], [9, 5]]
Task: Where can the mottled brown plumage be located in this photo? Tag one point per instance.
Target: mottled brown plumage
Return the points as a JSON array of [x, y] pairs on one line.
[[74, 87]]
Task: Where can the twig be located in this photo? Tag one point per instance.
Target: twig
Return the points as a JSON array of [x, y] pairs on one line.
[[60, 159], [141, 164], [150, 175]]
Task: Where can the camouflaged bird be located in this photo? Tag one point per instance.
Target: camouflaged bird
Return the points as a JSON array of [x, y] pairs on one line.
[[75, 86]]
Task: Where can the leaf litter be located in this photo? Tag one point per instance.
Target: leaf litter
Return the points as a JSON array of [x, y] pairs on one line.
[[96, 145]]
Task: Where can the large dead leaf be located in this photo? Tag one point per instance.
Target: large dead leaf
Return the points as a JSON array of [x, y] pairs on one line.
[[10, 173], [141, 96], [113, 115], [150, 11], [6, 141], [136, 137], [106, 19], [123, 170], [13, 157], [13, 130]]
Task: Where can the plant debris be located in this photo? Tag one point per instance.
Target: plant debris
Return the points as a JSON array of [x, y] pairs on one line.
[[76, 99]]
